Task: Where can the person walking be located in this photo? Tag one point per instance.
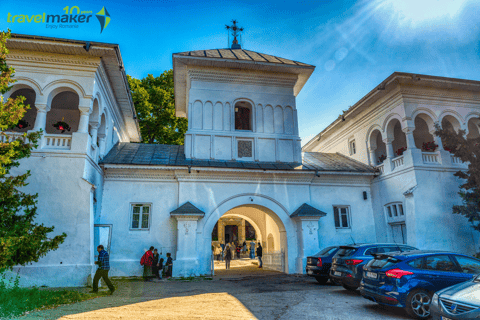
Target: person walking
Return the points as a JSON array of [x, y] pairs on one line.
[[259, 255], [252, 250], [244, 247], [155, 259], [169, 265], [238, 249], [102, 270], [222, 246], [228, 256], [232, 248], [146, 262]]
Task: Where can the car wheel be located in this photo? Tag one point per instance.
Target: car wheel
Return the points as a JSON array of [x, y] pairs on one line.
[[349, 288], [418, 304], [321, 280]]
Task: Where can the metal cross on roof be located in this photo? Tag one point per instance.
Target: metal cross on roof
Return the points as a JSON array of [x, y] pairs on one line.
[[235, 33]]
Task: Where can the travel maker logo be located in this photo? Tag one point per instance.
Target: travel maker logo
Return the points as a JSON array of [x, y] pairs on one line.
[[72, 19]]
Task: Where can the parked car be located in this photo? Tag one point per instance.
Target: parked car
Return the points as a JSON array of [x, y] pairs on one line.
[[461, 301], [348, 262], [318, 265], [410, 279]]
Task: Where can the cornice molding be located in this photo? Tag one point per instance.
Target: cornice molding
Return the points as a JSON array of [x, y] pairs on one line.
[[223, 76], [57, 59]]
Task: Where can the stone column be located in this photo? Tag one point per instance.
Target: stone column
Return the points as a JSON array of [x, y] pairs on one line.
[[41, 119], [94, 131], [84, 115], [387, 163], [373, 157], [445, 157], [101, 145], [412, 155]]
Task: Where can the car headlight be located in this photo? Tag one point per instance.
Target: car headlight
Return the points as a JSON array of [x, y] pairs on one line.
[[435, 299]]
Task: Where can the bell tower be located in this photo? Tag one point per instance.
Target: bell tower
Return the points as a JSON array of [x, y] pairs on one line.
[[240, 104]]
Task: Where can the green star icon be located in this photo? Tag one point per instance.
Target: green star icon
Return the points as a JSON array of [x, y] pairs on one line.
[[104, 18]]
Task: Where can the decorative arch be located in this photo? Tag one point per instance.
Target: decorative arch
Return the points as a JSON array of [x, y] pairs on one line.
[[24, 83], [57, 86], [372, 144], [268, 119], [197, 121], [387, 124], [453, 117], [258, 231], [278, 119], [270, 206], [427, 115], [424, 125], [244, 114], [289, 120]]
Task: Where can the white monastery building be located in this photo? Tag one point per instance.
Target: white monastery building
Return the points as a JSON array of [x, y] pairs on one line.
[[242, 166]]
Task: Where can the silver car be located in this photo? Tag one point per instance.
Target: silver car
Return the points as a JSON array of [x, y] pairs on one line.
[[461, 301]]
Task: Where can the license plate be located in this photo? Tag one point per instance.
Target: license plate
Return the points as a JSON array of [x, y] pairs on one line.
[[310, 272], [336, 273], [371, 275], [443, 318]]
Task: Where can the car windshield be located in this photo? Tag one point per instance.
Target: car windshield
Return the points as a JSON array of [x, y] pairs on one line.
[[326, 251], [382, 262], [346, 251]]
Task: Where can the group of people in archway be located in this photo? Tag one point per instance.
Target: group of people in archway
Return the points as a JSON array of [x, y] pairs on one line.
[[228, 251]]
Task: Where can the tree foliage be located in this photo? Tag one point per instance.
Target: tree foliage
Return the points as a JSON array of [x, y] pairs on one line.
[[155, 105], [468, 150], [21, 239]]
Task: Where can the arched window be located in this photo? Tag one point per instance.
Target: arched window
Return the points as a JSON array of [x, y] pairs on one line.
[[243, 116]]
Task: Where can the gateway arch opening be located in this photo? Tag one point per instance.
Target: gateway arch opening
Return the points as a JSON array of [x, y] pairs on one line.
[[243, 228]]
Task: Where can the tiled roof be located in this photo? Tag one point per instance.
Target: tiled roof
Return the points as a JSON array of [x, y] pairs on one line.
[[126, 153], [187, 209], [241, 54], [306, 210]]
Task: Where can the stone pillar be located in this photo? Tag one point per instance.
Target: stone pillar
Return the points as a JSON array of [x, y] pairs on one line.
[[387, 163], [101, 145], [186, 263], [412, 155], [84, 115], [41, 119], [373, 157], [307, 233], [444, 156], [94, 131]]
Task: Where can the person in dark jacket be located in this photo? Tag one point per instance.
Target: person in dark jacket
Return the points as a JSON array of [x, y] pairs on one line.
[[102, 271], [169, 265], [228, 256], [155, 265], [259, 255]]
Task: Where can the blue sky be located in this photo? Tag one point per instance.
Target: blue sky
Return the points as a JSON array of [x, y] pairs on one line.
[[354, 44]]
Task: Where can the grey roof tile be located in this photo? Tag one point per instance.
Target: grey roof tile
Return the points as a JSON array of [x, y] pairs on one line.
[[173, 155], [241, 54], [306, 210], [187, 209]]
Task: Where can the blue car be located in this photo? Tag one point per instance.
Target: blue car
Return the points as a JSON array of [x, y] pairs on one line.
[[318, 266], [410, 279]]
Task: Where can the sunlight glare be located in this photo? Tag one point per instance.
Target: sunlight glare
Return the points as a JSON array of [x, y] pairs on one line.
[[418, 11]]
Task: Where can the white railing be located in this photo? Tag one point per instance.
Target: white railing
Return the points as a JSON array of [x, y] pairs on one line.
[[397, 162], [6, 137], [274, 260], [380, 168], [430, 157], [57, 141], [455, 160]]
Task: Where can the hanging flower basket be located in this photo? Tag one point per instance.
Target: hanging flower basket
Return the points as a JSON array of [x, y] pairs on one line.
[[381, 159], [61, 126], [429, 146], [401, 151], [22, 124]]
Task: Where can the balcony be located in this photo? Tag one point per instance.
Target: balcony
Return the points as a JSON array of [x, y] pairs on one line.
[[430, 158], [57, 141]]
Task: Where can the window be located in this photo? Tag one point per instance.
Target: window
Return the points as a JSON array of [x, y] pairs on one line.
[[468, 265], [140, 217], [395, 211], [416, 263], [342, 217], [243, 116], [353, 149], [439, 263]]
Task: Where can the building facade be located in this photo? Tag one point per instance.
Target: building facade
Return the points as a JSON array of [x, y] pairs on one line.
[[392, 128], [241, 161]]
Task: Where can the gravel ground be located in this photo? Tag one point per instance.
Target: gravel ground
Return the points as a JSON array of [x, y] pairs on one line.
[[243, 292]]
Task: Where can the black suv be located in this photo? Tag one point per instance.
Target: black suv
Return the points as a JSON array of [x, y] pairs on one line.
[[348, 262], [318, 265]]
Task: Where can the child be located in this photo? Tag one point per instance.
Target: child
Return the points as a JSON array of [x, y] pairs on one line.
[[169, 265]]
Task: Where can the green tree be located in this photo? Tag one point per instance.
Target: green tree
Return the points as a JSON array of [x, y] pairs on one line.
[[468, 150], [21, 239], [155, 104]]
